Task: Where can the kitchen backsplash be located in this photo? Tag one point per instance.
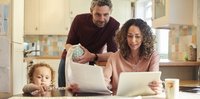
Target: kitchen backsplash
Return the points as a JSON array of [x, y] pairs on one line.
[[49, 45], [180, 37]]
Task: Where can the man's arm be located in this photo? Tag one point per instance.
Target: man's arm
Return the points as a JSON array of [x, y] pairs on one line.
[[104, 56], [67, 46], [88, 56]]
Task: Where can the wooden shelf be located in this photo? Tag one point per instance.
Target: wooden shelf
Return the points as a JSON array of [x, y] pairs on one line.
[[178, 63], [190, 83]]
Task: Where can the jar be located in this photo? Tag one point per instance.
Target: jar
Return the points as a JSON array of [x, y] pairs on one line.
[[192, 53]]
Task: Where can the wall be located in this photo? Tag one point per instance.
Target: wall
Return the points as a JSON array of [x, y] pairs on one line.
[[49, 45], [198, 29], [180, 37]]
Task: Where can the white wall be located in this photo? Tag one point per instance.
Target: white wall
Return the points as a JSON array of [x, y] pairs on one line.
[[139, 9], [121, 10], [18, 69]]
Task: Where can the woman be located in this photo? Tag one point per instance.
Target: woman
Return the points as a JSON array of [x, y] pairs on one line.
[[136, 54]]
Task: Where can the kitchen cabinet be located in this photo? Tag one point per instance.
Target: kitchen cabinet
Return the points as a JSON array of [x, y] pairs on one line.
[[121, 10], [46, 17], [77, 8], [169, 12]]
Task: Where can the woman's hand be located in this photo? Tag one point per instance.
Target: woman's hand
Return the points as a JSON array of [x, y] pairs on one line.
[[73, 88], [156, 86]]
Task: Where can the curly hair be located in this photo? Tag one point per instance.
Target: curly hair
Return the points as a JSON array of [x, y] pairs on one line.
[[101, 3], [35, 66], [148, 41]]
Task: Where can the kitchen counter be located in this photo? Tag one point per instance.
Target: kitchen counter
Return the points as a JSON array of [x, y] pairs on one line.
[[164, 62], [43, 57], [169, 63]]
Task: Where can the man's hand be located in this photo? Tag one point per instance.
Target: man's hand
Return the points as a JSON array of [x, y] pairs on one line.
[[86, 57]]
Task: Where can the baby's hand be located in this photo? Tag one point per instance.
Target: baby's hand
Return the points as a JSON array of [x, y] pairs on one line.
[[40, 90]]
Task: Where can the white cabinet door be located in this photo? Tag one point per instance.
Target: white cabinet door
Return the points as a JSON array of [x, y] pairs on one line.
[[175, 12], [46, 17], [121, 9], [53, 17], [77, 8], [31, 18]]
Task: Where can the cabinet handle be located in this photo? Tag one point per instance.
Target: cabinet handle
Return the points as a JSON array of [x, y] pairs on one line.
[[36, 28]]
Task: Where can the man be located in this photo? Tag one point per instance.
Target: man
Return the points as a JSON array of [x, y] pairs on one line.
[[94, 31]]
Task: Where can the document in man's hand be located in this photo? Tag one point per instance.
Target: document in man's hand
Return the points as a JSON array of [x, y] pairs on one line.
[[89, 78]]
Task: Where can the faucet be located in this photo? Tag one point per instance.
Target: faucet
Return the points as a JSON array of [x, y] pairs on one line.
[[28, 52]]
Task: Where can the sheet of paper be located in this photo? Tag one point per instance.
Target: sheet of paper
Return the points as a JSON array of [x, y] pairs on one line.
[[89, 78], [136, 83]]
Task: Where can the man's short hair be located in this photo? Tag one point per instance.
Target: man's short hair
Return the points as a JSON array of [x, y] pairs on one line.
[[101, 3]]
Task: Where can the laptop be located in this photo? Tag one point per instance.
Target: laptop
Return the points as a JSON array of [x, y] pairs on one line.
[[136, 83]]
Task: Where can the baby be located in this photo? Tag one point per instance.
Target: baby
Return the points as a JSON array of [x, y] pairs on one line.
[[41, 78]]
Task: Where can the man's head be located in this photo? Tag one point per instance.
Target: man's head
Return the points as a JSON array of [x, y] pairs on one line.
[[101, 10]]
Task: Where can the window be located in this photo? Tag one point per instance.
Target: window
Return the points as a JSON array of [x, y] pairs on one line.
[[160, 34], [162, 42]]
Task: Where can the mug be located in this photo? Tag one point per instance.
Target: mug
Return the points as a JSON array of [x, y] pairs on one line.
[[172, 88]]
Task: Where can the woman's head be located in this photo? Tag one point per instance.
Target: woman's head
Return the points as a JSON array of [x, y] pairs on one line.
[[41, 73], [135, 35]]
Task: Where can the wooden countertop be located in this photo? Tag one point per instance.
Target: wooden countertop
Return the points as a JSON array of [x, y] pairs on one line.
[[44, 57], [190, 83], [166, 62], [163, 62]]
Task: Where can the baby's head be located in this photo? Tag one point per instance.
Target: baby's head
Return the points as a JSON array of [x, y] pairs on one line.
[[41, 73]]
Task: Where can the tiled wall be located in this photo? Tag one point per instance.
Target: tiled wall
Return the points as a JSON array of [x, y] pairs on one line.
[[180, 37], [49, 45]]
